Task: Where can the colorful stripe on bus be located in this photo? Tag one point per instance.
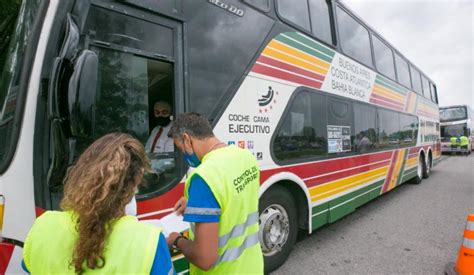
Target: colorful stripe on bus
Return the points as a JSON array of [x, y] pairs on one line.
[[296, 58]]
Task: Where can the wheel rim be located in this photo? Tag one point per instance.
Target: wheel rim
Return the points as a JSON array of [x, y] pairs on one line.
[[420, 168], [428, 165], [274, 229]]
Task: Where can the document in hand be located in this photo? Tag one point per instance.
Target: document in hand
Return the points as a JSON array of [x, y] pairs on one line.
[[170, 223]]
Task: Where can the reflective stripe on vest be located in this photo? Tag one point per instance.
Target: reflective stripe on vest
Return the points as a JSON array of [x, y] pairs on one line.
[[233, 177], [239, 229], [231, 254]]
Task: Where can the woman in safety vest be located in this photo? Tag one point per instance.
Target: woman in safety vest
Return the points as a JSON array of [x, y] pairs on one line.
[[93, 234]]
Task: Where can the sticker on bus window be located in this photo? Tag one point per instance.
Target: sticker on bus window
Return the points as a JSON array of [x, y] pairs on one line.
[[339, 139]]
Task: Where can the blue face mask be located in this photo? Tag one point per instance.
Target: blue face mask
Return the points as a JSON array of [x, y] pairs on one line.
[[192, 160]]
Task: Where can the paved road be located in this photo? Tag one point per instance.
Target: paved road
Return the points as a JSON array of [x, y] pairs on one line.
[[413, 229]]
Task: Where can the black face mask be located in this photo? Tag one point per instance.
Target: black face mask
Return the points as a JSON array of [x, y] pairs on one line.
[[163, 121]]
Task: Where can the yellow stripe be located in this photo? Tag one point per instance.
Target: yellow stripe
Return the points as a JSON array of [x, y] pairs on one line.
[[388, 93], [347, 187], [298, 53], [412, 161], [398, 166], [295, 58], [330, 186]]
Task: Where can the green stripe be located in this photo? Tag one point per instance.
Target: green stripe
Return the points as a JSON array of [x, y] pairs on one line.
[[402, 168], [416, 105], [389, 84], [409, 176], [180, 265], [310, 42], [305, 49], [344, 205]]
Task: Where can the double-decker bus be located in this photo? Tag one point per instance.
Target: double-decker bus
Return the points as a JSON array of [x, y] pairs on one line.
[[456, 121], [334, 114]]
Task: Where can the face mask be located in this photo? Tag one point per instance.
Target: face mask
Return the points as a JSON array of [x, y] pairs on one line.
[[131, 207], [191, 159], [163, 121]]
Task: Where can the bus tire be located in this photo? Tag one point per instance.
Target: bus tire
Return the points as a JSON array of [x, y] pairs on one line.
[[419, 171], [278, 226], [426, 166]]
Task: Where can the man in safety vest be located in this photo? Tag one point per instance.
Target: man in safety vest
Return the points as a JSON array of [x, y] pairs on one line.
[[454, 142], [220, 200], [464, 141]]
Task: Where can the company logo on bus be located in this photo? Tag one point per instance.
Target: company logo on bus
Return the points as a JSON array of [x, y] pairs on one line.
[[267, 100]]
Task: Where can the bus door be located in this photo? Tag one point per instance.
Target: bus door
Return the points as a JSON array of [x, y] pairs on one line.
[[127, 59]]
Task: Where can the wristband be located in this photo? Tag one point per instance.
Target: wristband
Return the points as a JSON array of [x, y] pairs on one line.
[[175, 242]]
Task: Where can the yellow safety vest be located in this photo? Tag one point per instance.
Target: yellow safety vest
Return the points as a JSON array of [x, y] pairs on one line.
[[464, 141], [234, 178], [454, 141], [130, 247]]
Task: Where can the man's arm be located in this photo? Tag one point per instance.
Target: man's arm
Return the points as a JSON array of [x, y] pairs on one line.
[[202, 252]]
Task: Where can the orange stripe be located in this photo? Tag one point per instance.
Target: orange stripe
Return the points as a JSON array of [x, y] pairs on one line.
[[469, 234]]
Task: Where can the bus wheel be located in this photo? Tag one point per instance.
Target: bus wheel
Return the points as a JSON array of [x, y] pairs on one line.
[[278, 226], [419, 171], [426, 166]]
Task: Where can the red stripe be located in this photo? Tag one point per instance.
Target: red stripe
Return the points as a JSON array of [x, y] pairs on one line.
[[344, 174], [390, 171], [385, 104], [6, 251], [306, 170], [376, 96], [285, 66], [166, 200], [257, 68]]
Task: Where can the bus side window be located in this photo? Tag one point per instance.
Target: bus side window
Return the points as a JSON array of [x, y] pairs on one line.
[[340, 124], [320, 11], [295, 11], [365, 139], [302, 133], [389, 129]]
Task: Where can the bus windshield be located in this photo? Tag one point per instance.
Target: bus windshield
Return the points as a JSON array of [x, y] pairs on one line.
[[453, 131], [10, 75], [452, 113]]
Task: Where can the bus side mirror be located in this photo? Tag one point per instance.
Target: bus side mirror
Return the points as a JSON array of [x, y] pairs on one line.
[[82, 92]]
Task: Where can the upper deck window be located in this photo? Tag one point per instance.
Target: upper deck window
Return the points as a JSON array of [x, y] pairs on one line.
[[320, 19], [434, 95], [452, 113], [403, 74], [383, 58], [416, 80], [295, 11], [354, 38], [426, 87]]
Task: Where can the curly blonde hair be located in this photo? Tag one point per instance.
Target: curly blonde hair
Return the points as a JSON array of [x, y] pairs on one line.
[[97, 189]]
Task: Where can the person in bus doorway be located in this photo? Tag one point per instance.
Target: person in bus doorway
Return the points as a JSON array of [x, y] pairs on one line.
[[92, 233], [159, 142], [220, 200]]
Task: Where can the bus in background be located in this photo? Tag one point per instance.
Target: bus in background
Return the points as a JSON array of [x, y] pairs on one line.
[[334, 114], [456, 121]]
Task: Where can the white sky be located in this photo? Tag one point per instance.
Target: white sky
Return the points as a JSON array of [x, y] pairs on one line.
[[435, 35]]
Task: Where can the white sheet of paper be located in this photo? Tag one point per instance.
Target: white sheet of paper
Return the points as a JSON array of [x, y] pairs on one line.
[[170, 223]]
